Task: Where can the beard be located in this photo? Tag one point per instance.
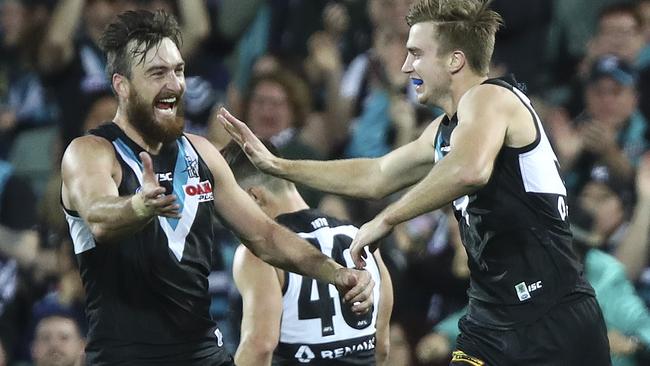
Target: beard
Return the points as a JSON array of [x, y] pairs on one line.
[[142, 118]]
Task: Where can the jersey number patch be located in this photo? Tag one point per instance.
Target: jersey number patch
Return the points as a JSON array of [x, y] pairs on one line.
[[323, 307]]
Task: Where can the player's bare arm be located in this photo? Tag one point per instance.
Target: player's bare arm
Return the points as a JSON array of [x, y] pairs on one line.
[[382, 349], [362, 178], [91, 177], [273, 243], [484, 126], [261, 293]]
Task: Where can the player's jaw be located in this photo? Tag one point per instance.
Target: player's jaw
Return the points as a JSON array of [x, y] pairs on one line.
[[160, 120]]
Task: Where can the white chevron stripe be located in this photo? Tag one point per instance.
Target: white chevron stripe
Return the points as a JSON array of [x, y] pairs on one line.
[[175, 238]]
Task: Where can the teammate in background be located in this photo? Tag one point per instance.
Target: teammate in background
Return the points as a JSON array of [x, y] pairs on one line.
[[529, 302], [140, 198], [292, 319]]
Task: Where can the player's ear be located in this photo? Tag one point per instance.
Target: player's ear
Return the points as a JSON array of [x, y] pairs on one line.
[[456, 61], [257, 194], [120, 85]]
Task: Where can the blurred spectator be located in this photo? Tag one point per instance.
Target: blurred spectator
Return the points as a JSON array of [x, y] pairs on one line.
[[66, 297], [400, 350], [276, 108], [72, 64], [378, 96], [102, 108], [3, 355], [24, 102], [58, 342], [572, 25], [633, 250], [517, 44], [610, 131], [18, 256], [600, 211], [433, 251], [619, 32], [294, 22], [324, 70]]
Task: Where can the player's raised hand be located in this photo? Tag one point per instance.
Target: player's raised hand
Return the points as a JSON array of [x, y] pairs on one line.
[[151, 199], [356, 287], [257, 153], [368, 236]]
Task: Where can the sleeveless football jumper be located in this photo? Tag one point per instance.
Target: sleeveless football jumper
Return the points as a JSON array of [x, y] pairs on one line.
[[147, 293], [516, 231], [317, 328]]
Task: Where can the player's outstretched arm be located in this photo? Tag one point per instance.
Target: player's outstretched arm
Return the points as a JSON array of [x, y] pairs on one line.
[[362, 178], [484, 115], [275, 244], [88, 170], [261, 293], [383, 315]]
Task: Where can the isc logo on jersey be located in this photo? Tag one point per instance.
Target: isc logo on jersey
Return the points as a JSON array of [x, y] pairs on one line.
[[524, 290], [202, 190]]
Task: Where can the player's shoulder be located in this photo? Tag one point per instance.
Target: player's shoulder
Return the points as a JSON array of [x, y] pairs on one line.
[[88, 147], [486, 96], [207, 151], [487, 93], [200, 143], [309, 220]]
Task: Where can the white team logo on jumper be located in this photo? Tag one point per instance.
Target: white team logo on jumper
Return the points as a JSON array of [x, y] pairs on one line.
[[523, 290], [304, 354], [217, 333]]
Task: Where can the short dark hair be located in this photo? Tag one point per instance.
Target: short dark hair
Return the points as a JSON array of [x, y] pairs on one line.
[[147, 29], [246, 174], [468, 25]]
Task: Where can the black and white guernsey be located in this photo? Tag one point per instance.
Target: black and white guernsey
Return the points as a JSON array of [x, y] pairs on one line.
[[317, 328], [147, 295], [516, 231]]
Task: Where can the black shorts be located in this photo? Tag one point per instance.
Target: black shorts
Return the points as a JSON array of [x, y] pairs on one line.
[[571, 333], [201, 353]]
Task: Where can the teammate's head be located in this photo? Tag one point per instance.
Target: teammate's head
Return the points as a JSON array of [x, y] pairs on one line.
[[57, 342], [146, 69], [274, 195], [448, 37]]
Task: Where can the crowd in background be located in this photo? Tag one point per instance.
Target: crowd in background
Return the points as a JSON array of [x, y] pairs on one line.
[[321, 80]]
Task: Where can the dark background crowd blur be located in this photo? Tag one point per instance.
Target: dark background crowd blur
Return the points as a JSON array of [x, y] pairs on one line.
[[322, 80]]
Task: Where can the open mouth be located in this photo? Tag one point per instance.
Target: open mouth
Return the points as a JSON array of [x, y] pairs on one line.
[[166, 104], [417, 82]]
